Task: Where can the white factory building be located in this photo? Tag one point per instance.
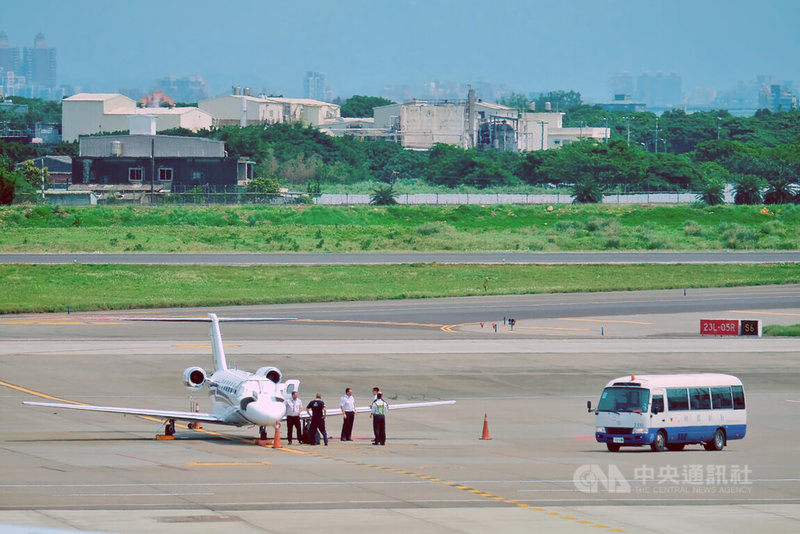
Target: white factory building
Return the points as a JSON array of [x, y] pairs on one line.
[[240, 108], [92, 113], [419, 124]]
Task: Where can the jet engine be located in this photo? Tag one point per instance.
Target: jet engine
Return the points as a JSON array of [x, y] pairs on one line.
[[194, 377], [273, 373]]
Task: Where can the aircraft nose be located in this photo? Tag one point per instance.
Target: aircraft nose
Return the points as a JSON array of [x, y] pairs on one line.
[[265, 412]]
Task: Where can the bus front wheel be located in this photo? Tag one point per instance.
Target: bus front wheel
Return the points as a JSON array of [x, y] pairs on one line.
[[718, 442], [660, 442], [613, 447]]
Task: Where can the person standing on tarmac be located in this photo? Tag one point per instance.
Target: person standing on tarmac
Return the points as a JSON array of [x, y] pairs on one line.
[[379, 408], [316, 409], [348, 405], [293, 408]]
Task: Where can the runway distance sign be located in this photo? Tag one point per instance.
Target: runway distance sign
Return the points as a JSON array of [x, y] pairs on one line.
[[719, 327]]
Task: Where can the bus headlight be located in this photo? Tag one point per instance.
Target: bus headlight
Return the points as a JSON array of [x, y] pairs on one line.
[[601, 429]]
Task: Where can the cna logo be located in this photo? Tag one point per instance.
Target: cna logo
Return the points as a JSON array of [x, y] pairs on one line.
[[590, 478]]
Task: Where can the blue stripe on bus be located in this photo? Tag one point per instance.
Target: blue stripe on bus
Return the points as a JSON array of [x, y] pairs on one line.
[[676, 434]]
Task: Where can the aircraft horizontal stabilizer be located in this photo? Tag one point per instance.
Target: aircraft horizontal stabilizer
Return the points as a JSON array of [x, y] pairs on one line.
[[161, 414]]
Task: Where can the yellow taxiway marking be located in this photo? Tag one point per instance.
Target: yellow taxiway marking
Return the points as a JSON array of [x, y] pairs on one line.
[[765, 313], [215, 464], [457, 485], [40, 395], [580, 319]]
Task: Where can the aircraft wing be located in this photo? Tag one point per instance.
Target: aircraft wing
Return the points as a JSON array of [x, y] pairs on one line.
[[161, 414], [367, 409]]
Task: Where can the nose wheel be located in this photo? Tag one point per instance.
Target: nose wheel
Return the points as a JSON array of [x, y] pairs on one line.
[[169, 429], [263, 431]]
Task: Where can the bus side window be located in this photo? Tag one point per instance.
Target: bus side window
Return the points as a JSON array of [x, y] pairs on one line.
[[738, 397], [658, 404], [677, 399], [721, 398], [699, 399]]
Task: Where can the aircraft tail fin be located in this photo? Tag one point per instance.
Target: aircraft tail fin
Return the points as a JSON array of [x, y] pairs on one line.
[[217, 352]]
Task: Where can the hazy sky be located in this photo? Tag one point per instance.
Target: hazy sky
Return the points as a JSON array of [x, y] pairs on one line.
[[363, 45]]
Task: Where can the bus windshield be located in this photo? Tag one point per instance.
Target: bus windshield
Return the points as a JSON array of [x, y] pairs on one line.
[[624, 400]]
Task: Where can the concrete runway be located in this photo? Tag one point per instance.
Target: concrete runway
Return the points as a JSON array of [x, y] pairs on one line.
[[105, 472]]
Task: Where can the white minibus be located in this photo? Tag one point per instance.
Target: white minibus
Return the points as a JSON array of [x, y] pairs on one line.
[[668, 412]]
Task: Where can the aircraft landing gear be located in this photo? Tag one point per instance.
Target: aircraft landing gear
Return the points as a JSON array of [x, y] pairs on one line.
[[169, 429], [263, 431]]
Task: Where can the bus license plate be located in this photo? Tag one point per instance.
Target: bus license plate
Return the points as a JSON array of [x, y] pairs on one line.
[[619, 440]]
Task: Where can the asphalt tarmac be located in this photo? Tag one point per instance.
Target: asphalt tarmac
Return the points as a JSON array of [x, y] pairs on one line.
[[541, 470]]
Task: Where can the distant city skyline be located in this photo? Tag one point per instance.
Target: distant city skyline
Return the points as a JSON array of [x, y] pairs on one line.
[[416, 48]]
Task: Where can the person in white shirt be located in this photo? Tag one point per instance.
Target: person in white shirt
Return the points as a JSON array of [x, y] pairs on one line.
[[293, 408], [348, 405]]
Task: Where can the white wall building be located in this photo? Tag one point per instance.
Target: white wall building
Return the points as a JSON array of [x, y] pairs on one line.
[[419, 124], [541, 131], [91, 113], [245, 110], [233, 110]]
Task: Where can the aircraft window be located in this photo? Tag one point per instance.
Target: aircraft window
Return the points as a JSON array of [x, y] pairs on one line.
[[699, 399], [738, 397], [677, 399], [721, 398]]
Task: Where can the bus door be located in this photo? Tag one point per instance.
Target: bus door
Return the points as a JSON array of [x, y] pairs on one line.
[[658, 418]]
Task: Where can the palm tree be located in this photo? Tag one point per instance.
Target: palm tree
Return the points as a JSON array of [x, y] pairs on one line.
[[383, 195], [747, 189], [780, 190], [587, 190], [711, 192]]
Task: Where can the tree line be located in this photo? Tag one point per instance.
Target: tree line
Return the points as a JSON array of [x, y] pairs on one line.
[[700, 152]]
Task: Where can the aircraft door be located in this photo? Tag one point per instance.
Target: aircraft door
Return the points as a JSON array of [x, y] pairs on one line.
[[289, 386]]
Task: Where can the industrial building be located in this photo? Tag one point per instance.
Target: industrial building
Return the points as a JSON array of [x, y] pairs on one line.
[[93, 113], [243, 109], [472, 123], [420, 124]]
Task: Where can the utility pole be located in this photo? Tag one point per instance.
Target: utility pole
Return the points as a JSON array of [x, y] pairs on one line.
[[655, 138]]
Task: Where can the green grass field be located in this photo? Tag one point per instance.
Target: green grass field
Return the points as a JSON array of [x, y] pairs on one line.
[[398, 228], [53, 288]]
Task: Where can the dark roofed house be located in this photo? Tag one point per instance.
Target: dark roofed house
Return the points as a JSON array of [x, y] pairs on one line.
[[153, 163]]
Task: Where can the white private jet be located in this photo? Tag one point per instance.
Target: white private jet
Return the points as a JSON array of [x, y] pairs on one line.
[[239, 398]]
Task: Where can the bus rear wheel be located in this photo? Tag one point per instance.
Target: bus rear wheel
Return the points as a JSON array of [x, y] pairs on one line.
[[718, 442], [613, 447], [660, 442]]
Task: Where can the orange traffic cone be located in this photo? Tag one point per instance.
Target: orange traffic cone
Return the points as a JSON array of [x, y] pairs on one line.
[[485, 427], [276, 441]]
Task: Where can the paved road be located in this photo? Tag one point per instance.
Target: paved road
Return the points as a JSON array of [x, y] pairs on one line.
[[105, 472], [411, 257]]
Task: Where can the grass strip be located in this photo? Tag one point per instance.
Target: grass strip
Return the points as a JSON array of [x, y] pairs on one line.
[[53, 288], [782, 330]]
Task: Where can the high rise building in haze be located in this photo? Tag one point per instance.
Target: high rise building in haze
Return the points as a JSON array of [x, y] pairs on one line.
[[30, 71], [314, 85], [39, 66], [660, 90]]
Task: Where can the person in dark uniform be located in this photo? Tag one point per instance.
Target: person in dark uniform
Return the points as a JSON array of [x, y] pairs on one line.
[[316, 409], [379, 408]]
